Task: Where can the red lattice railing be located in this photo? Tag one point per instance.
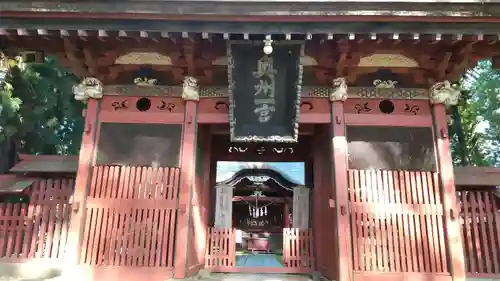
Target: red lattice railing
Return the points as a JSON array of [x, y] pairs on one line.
[[397, 222], [38, 229], [221, 248], [131, 217], [298, 249], [480, 227]]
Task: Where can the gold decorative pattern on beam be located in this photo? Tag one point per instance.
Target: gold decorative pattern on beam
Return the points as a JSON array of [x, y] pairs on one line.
[[307, 91], [305, 61], [151, 58], [387, 60]]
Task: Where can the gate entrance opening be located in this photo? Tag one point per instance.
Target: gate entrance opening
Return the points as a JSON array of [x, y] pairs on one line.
[[261, 207]]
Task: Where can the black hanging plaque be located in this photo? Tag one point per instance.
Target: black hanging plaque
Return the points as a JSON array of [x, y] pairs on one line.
[[264, 92]]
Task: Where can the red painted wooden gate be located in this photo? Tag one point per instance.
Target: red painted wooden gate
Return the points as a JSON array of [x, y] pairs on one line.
[[130, 222], [397, 225]]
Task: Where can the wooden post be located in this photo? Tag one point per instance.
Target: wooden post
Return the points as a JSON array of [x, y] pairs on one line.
[[224, 206], [83, 176], [340, 166], [300, 208], [443, 94], [286, 214], [187, 177]]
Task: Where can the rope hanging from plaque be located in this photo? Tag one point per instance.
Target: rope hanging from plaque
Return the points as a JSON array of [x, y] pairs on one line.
[[264, 91]]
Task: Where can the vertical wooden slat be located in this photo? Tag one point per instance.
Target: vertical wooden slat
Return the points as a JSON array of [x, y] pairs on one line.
[[109, 248], [393, 227], [401, 230], [440, 217], [43, 220], [58, 220], [98, 232], [416, 219], [360, 220], [496, 226], [366, 221], [132, 232], [354, 220], [149, 248], [434, 218], [9, 242], [411, 220], [388, 227], [21, 229], [88, 238], [488, 199], [425, 267], [484, 231], [54, 187]]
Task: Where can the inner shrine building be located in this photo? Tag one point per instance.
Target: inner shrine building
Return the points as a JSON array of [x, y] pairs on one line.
[[357, 92]]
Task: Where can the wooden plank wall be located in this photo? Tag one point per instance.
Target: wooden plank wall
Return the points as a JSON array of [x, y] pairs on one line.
[[480, 229], [131, 217], [397, 222], [39, 229]]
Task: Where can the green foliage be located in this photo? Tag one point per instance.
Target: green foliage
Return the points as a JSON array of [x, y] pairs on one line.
[[479, 110], [37, 108]]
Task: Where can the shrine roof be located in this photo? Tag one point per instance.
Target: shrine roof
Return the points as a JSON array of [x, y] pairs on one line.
[[256, 8], [265, 172], [168, 28]]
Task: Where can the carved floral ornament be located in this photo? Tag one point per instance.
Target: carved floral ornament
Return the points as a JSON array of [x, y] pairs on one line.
[[89, 88], [444, 93], [190, 89], [388, 60], [145, 81], [151, 58]]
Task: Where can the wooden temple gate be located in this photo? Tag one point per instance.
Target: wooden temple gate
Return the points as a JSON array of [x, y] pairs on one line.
[[134, 217]]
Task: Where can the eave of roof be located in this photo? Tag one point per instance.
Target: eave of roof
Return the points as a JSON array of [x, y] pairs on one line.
[[13, 184], [46, 164], [251, 8], [477, 176], [220, 27]]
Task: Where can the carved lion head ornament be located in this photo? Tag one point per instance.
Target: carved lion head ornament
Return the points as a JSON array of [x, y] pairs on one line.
[[444, 93], [190, 89], [89, 88], [339, 89]]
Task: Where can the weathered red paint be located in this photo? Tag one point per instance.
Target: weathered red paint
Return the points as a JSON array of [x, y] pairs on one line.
[[375, 106], [454, 245], [215, 111], [339, 168], [79, 198], [187, 182], [123, 109]]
